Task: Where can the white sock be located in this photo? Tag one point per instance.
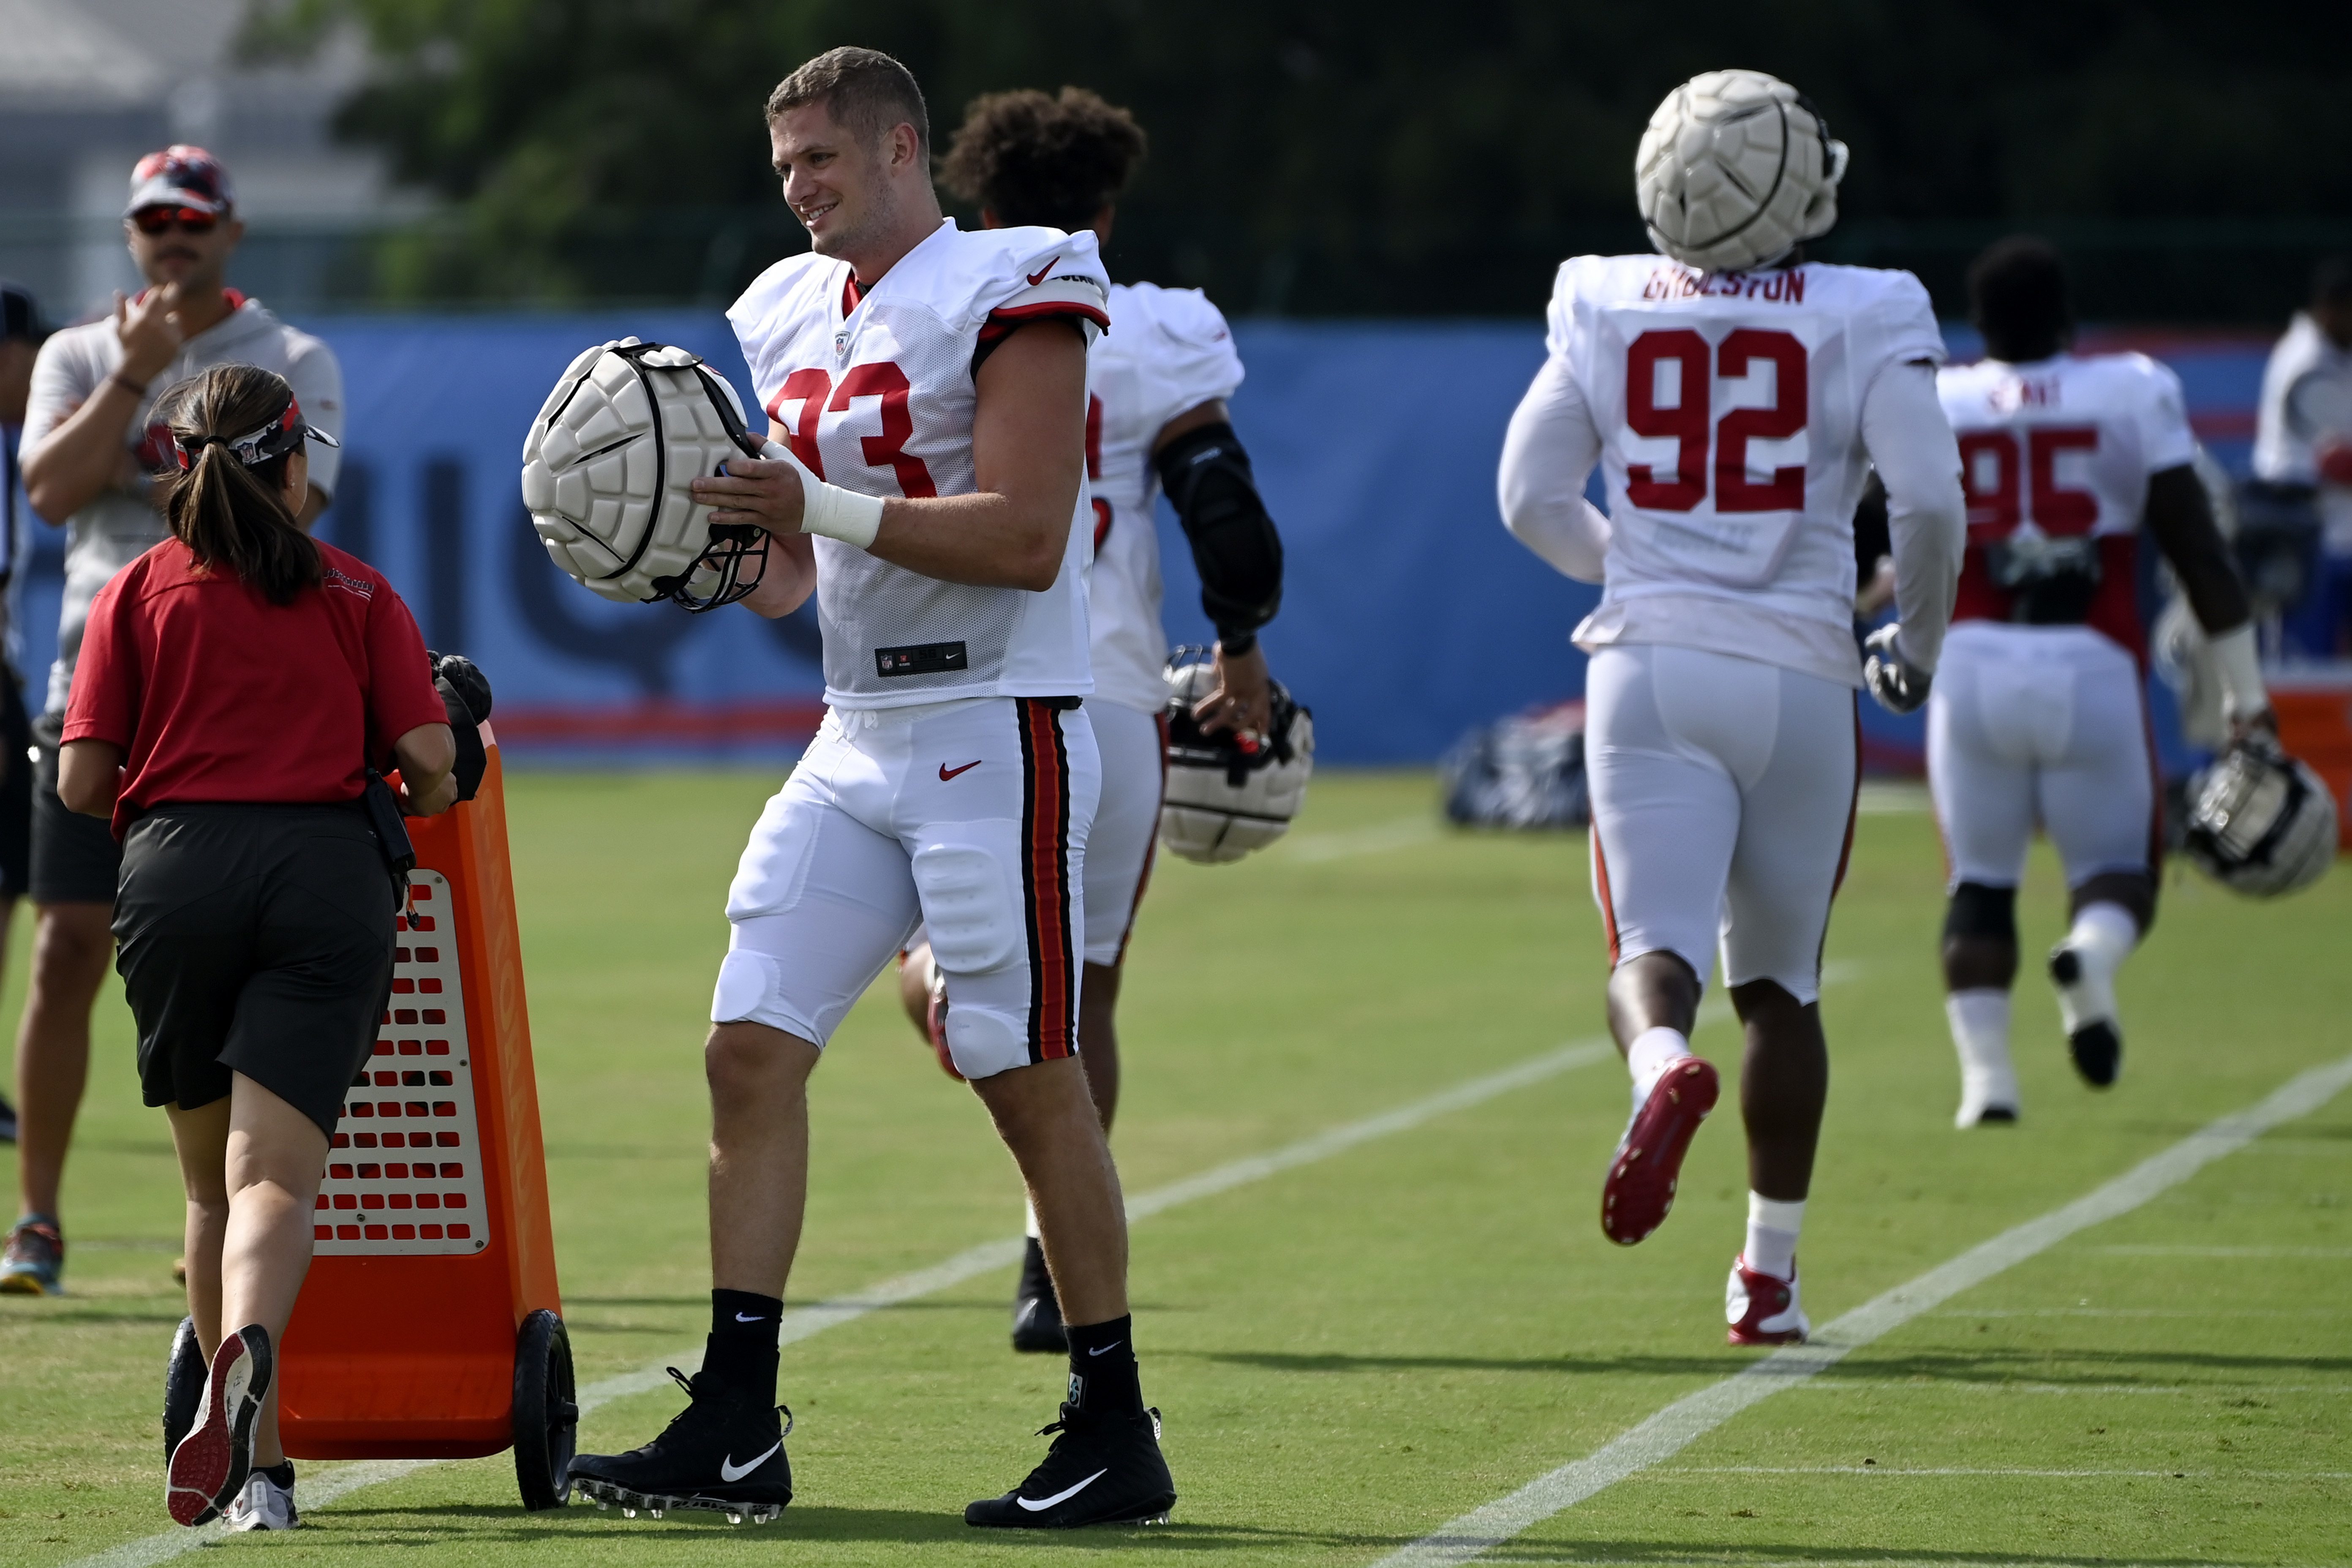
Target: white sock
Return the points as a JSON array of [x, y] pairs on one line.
[[1773, 1227], [2103, 936], [1651, 1053], [1029, 1221], [1980, 1021]]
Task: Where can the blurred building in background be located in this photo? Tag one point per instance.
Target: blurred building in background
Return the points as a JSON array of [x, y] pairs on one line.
[[86, 86]]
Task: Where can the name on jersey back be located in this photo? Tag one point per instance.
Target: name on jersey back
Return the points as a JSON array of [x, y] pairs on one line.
[[1682, 283]]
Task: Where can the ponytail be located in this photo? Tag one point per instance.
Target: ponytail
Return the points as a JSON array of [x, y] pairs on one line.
[[236, 428]]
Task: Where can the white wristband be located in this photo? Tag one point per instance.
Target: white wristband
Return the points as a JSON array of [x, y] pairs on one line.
[[837, 513], [2243, 696]]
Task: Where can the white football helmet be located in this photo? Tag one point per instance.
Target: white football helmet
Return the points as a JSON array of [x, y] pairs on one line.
[[606, 471], [1227, 795], [2260, 822], [1736, 170]]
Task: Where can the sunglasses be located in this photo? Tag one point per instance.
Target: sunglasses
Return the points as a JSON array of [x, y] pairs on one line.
[[163, 220]]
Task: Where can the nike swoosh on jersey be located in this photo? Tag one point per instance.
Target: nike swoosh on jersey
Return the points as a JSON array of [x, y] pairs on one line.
[[1042, 1504], [947, 773], [730, 1472], [1039, 276]]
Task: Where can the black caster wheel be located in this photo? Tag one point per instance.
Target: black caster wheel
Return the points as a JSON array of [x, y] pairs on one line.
[[184, 1386], [546, 1412]]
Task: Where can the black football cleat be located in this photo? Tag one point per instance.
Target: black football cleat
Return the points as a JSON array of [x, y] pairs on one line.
[[1102, 1469], [722, 1453], [1036, 1310], [2086, 1007]]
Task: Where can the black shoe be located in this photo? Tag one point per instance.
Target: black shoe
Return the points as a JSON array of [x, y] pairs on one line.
[[1036, 1310], [7, 1122], [1102, 1469], [723, 1453]]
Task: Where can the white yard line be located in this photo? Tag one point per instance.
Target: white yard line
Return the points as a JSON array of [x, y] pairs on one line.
[[1692, 1416], [1996, 1470], [2226, 1251], [1403, 833], [317, 1488]]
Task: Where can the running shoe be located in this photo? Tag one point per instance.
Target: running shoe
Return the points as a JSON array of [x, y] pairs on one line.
[[2086, 1006], [210, 1466], [1102, 1469], [1640, 1191], [267, 1502], [34, 1263], [1036, 1310], [184, 1386], [7, 1122], [723, 1453], [1762, 1309]]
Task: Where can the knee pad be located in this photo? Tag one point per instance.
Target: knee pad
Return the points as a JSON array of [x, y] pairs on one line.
[[983, 1041], [970, 908], [1979, 910]]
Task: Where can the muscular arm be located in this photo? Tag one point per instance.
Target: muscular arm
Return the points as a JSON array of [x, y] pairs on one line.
[[1548, 455], [1028, 450], [1907, 437], [2181, 519], [83, 455]]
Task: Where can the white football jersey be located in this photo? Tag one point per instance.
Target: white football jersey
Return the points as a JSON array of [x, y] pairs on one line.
[[1168, 351], [1729, 410], [2063, 447], [875, 394]]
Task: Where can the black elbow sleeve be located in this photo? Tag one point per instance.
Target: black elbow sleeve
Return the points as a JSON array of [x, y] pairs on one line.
[[1207, 476]]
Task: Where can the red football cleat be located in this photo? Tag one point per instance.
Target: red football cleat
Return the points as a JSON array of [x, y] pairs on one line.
[[1640, 1191], [1762, 1309]]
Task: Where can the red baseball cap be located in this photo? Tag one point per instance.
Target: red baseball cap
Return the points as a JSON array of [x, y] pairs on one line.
[[181, 176]]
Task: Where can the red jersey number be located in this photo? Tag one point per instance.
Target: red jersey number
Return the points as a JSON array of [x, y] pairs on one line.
[[878, 379], [1996, 484], [1690, 421]]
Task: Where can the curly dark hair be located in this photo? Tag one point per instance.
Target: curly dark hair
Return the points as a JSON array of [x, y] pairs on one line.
[[1032, 158]]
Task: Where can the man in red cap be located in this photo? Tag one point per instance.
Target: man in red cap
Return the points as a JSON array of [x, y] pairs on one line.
[[87, 456]]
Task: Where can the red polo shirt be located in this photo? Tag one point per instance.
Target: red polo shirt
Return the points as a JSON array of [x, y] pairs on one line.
[[214, 693]]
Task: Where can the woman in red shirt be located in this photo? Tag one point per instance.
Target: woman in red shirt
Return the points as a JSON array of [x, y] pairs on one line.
[[236, 685]]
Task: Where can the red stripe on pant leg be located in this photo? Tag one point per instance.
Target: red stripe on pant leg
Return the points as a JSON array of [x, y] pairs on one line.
[[1607, 903], [1045, 879], [1150, 845]]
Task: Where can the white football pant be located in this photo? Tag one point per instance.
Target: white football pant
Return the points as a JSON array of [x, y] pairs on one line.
[[1722, 794], [1134, 748], [969, 817], [2042, 725]]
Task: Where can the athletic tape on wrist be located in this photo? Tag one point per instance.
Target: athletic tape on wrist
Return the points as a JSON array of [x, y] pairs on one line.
[[2234, 658], [827, 508]]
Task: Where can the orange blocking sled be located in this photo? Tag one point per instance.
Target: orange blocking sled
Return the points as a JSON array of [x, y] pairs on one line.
[[430, 1326]]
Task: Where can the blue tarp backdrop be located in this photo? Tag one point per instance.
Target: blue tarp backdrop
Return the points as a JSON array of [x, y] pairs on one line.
[[1409, 613]]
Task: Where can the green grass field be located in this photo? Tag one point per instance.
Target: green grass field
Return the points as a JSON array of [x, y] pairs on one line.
[[1356, 1350]]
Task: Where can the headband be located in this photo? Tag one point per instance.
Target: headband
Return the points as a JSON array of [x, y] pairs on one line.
[[274, 440]]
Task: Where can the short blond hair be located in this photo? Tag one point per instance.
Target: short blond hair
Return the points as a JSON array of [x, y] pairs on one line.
[[863, 89]]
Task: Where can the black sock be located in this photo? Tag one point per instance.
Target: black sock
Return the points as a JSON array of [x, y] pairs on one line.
[[280, 1473], [740, 1356], [1103, 1376]]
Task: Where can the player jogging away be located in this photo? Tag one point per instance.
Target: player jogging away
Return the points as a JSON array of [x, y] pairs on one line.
[[931, 386], [2038, 715], [1156, 420], [1732, 393]]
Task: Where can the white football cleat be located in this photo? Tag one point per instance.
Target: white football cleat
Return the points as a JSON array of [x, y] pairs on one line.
[[1989, 1096], [1762, 1309], [2086, 1007], [263, 1505]]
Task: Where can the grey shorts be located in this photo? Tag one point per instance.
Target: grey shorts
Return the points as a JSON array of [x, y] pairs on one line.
[[253, 939]]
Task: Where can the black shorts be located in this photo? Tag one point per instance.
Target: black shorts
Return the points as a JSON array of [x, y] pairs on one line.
[[253, 939], [75, 859], [16, 788]]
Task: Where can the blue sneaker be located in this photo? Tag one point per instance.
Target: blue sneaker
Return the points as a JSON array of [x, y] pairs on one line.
[[35, 1261]]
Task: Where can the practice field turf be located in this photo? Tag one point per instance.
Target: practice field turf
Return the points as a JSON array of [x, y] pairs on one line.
[[1380, 1331]]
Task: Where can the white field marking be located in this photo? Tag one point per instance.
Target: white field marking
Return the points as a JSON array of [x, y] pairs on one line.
[[2145, 1312], [1693, 1415], [1403, 833], [317, 1490], [1996, 1470], [1887, 798], [1964, 1385], [2226, 1251]]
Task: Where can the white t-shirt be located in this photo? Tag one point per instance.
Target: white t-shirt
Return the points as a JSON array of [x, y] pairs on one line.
[[1732, 508], [2059, 447], [118, 527], [875, 394], [1168, 351], [2306, 398]]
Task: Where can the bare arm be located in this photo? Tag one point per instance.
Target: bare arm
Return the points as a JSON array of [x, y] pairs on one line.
[[90, 776], [427, 756], [2181, 518], [83, 455], [1028, 448]]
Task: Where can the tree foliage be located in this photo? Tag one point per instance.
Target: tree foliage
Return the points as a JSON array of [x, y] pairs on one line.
[[1374, 156]]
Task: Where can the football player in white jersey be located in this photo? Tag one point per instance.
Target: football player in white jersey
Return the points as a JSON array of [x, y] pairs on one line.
[[928, 386], [2038, 714], [1156, 419], [1734, 395]]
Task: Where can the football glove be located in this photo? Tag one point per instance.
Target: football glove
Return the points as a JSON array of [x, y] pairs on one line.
[[1899, 685], [466, 698]]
